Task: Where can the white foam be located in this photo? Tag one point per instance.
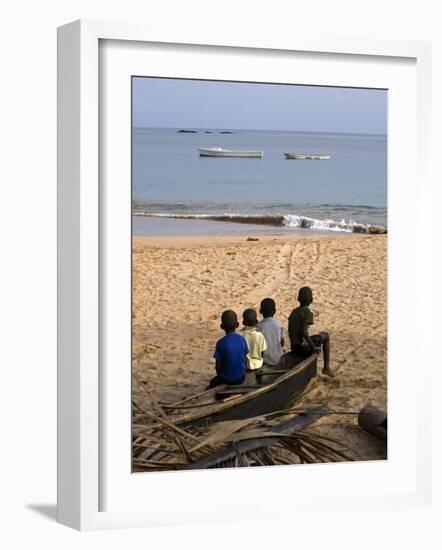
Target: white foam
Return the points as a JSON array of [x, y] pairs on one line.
[[292, 220]]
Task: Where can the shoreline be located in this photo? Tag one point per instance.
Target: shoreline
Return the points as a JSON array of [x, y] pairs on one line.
[[157, 224], [183, 241]]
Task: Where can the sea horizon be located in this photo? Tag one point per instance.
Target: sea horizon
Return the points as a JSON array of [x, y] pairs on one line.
[[260, 130]]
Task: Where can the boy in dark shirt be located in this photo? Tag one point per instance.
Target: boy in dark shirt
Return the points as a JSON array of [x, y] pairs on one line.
[[299, 321], [230, 353]]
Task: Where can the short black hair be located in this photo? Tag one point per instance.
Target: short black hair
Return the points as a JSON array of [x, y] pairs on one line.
[[249, 317], [268, 307], [229, 320], [305, 295]]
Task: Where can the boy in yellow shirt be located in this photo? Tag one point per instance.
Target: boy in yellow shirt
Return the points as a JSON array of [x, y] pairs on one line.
[[255, 340]]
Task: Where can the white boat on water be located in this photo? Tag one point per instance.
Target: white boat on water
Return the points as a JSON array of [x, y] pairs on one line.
[[294, 156], [220, 152]]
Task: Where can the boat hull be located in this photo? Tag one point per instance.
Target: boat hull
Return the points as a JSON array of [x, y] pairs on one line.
[[276, 399], [275, 394], [292, 156], [231, 154]]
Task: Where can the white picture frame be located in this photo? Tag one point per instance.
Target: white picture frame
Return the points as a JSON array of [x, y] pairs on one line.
[[80, 265]]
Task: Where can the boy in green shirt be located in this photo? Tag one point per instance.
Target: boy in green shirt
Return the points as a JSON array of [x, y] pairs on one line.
[[301, 342]]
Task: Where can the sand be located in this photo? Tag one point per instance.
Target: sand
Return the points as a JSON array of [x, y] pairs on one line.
[[182, 284]]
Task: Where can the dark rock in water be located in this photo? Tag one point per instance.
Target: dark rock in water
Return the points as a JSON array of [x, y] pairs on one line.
[[207, 132], [225, 132], [187, 132], [377, 230], [305, 223], [372, 229], [359, 229]]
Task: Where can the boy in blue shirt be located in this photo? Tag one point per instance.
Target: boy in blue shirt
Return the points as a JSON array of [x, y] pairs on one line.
[[230, 353]]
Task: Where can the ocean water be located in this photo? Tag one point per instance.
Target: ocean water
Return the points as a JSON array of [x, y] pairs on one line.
[[170, 182]]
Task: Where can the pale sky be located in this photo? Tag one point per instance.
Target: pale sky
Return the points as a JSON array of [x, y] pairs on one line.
[[175, 103]]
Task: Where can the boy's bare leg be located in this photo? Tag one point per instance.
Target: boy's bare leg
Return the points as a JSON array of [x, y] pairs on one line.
[[326, 353], [250, 377]]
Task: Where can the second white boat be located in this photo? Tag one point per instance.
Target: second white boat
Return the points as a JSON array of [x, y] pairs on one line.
[[294, 156]]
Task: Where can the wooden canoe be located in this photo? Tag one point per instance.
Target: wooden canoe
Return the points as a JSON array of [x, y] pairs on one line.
[[274, 390]]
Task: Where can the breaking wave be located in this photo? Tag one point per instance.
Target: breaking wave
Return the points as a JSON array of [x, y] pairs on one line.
[[278, 220]]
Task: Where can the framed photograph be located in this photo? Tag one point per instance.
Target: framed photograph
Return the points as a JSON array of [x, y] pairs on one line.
[[232, 273]]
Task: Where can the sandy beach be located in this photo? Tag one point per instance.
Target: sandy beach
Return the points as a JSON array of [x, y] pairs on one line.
[[182, 284]]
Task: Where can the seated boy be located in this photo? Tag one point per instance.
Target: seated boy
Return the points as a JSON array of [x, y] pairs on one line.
[[273, 332], [301, 342], [230, 353], [255, 340]]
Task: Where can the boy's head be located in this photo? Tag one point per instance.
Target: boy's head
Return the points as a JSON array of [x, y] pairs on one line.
[[305, 296], [249, 318], [268, 307], [229, 321]]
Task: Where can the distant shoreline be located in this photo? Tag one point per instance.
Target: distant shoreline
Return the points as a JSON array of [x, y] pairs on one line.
[[272, 130]]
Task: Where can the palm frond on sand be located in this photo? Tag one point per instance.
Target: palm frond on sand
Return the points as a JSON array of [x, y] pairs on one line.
[[273, 439]]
